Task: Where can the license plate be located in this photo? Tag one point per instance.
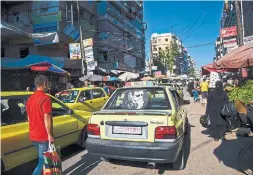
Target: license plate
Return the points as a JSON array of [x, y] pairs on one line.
[[126, 130]]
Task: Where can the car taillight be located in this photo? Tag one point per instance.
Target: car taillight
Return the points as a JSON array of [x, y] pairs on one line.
[[165, 132], [93, 129]]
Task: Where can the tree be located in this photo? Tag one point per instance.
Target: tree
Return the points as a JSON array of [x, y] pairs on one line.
[[167, 56], [191, 72]]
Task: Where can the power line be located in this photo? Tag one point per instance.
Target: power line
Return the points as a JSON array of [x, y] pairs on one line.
[[193, 29], [193, 21], [200, 45]]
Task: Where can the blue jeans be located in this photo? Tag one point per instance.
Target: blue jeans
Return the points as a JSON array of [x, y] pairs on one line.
[[41, 148]]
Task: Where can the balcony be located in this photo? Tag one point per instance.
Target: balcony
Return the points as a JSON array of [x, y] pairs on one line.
[[87, 6], [123, 7]]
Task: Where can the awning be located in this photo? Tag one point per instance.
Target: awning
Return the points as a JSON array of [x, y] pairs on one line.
[[27, 62], [35, 63], [211, 68], [241, 57]]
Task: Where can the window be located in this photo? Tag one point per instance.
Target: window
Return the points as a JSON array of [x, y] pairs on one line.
[[175, 98], [84, 96], [2, 52], [13, 110], [155, 49], [23, 51], [104, 55], [166, 47], [139, 99], [166, 39], [97, 93], [160, 48], [58, 108], [68, 96]]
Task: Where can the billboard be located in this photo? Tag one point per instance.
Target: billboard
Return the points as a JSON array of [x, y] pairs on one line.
[[75, 51], [72, 32], [227, 32], [91, 65], [88, 42], [88, 52], [45, 27]]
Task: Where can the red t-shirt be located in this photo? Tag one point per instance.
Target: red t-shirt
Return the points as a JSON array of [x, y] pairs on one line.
[[37, 105]]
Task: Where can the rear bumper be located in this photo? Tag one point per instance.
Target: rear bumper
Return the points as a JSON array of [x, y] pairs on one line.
[[135, 151]]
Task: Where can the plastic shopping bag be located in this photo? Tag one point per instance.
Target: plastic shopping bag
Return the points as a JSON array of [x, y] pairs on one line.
[[52, 162]]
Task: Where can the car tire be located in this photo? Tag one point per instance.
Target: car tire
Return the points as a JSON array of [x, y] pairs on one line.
[[82, 139], [186, 126], [179, 164]]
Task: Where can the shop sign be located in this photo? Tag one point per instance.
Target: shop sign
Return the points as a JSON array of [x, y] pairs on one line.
[[75, 51], [248, 40], [158, 73], [45, 27], [91, 65], [227, 32], [230, 43], [88, 52], [71, 31], [87, 42]]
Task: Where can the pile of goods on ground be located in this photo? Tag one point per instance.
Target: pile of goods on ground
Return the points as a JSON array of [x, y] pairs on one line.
[[244, 93]]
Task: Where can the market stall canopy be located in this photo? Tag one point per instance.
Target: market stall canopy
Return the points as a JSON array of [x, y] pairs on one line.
[[148, 78], [91, 78], [113, 79], [207, 69], [238, 58], [128, 76], [159, 76], [35, 63]]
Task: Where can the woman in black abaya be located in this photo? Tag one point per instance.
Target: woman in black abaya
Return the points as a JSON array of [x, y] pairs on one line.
[[215, 102]]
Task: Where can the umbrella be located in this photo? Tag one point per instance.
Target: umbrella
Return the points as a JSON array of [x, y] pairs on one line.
[[85, 77], [128, 76], [113, 79], [147, 78], [238, 58], [95, 78]]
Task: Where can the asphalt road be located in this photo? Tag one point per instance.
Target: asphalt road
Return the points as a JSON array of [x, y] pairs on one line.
[[204, 156]]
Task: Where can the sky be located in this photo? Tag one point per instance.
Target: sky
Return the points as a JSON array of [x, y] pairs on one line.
[[195, 22]]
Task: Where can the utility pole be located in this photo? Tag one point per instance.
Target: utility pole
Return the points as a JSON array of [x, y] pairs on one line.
[[239, 23], [81, 40]]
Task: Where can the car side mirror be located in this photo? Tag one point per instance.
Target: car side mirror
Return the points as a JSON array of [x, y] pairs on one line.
[[70, 112], [187, 102]]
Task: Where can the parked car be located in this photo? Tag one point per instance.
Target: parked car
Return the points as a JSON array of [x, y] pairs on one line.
[[88, 98], [17, 149], [176, 87], [140, 123]]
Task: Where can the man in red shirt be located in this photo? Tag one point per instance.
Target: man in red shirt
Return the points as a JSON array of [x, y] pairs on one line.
[[39, 110]]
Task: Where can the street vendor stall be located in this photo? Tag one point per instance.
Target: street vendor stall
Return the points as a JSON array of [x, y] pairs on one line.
[[238, 58]]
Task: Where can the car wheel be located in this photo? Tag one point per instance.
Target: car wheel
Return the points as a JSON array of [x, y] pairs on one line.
[[179, 164], [186, 126], [82, 139]]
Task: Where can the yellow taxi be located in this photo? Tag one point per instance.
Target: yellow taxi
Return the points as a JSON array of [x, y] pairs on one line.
[[140, 123], [16, 148], [176, 87], [88, 98]]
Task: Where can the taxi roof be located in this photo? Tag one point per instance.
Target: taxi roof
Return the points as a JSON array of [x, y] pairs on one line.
[[133, 87], [16, 93], [84, 88]]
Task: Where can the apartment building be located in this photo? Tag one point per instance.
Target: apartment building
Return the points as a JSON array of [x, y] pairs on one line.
[[160, 42], [228, 40], [121, 35]]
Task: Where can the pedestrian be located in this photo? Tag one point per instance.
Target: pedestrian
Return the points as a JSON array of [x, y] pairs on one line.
[[39, 114], [195, 94], [204, 89], [111, 88], [28, 89], [216, 100], [106, 88]]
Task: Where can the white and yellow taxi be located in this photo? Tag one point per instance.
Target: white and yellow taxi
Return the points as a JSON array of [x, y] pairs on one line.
[[140, 123]]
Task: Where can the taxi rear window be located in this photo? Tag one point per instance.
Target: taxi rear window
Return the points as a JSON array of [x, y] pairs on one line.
[[139, 99]]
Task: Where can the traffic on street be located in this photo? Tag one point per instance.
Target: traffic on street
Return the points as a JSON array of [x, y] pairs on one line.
[[106, 87]]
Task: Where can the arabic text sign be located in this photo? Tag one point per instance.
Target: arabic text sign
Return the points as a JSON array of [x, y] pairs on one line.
[[91, 65], [75, 51], [248, 40], [227, 32], [230, 43]]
